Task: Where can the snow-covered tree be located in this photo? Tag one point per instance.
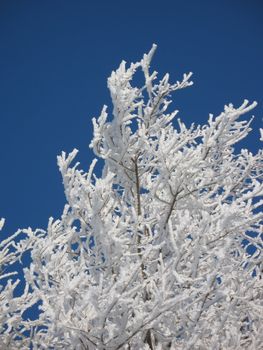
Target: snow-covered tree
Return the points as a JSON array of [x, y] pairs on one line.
[[152, 254]]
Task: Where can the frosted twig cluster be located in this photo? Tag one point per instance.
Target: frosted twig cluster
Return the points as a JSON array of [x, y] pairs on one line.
[[151, 255]]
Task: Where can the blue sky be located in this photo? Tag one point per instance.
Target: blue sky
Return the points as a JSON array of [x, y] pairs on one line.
[[55, 57]]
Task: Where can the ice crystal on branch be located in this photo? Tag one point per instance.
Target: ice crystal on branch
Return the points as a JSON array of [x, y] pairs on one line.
[[151, 255]]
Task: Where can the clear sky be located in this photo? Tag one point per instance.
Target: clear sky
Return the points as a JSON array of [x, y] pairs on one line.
[[55, 57]]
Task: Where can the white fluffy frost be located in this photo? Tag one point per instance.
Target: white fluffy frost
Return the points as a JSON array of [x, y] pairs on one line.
[[150, 255]]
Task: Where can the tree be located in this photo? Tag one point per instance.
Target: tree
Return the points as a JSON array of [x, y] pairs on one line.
[[152, 254]]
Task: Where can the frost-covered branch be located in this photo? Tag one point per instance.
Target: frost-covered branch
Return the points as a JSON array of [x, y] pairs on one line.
[[163, 251]]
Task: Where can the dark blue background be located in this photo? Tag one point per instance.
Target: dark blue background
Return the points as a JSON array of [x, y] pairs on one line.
[[55, 57]]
